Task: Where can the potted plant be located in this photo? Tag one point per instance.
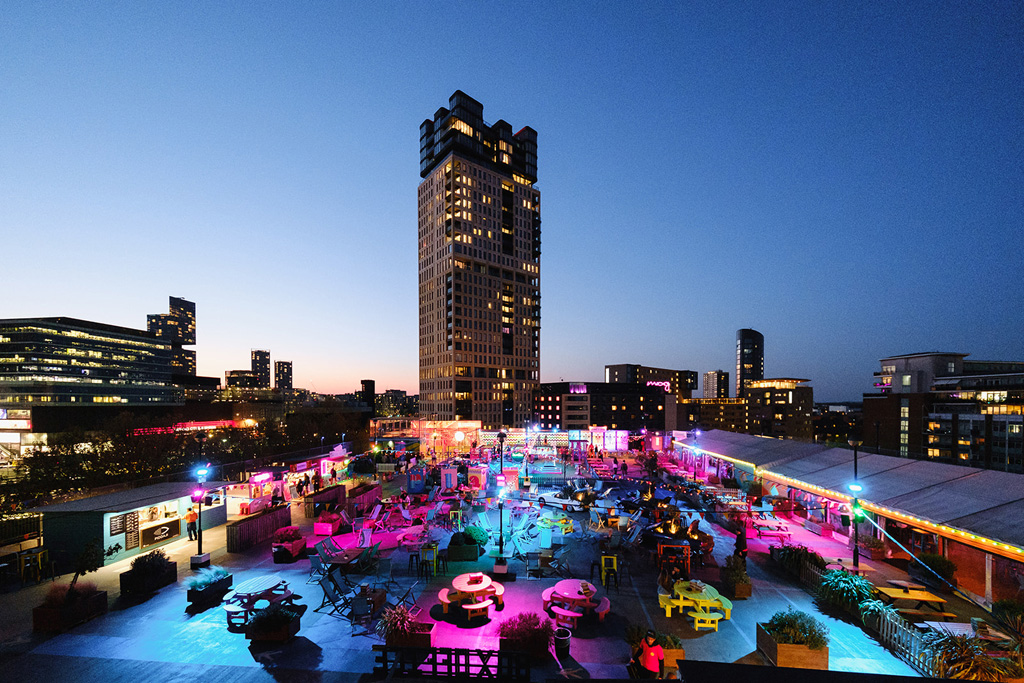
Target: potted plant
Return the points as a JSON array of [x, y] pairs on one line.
[[735, 578], [872, 611], [69, 604], [845, 591], [963, 656], [398, 627], [873, 548], [463, 547], [207, 585], [149, 573], [942, 566], [526, 632], [277, 623], [289, 540], [671, 646], [327, 524], [794, 639]]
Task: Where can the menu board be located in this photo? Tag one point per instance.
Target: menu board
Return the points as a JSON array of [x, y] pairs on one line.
[[131, 530], [117, 525]]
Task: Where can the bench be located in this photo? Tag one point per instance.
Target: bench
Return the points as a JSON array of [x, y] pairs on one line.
[[547, 596], [924, 615], [603, 608], [497, 591], [705, 619], [565, 617], [442, 595], [667, 602], [477, 609], [725, 604], [236, 614]]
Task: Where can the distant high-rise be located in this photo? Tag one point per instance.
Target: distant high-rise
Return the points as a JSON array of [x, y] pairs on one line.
[[716, 384], [749, 359], [179, 328], [368, 393], [261, 368], [283, 375], [678, 382], [479, 267]]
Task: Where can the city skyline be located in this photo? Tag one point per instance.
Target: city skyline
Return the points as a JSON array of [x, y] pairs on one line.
[[852, 172]]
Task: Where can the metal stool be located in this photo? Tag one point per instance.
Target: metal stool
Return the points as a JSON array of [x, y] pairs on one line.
[[414, 561], [611, 575], [426, 569], [442, 561], [593, 565]]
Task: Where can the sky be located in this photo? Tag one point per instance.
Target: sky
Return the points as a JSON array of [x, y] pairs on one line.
[[845, 178]]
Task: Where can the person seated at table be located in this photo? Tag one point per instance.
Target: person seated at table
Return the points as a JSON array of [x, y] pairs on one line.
[[668, 577], [403, 498]]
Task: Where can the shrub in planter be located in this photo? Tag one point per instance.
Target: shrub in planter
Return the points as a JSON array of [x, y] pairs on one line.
[[526, 632], [66, 605], [208, 585], [791, 557], [477, 535], [327, 524], [845, 591], [290, 539], [795, 639], [277, 623], [962, 657], [872, 610], [149, 573], [735, 577], [942, 566], [462, 547], [398, 627]]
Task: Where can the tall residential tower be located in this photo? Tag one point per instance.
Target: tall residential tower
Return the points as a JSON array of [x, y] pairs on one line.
[[479, 267], [749, 359]]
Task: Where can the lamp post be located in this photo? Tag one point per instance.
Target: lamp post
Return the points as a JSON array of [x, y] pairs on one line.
[[855, 488], [501, 501], [199, 560]]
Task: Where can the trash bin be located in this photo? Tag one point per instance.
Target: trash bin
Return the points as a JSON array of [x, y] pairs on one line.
[[562, 638]]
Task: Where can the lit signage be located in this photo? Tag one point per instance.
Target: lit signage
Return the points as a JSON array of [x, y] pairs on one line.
[[15, 424], [161, 532], [577, 388], [667, 385], [260, 477]]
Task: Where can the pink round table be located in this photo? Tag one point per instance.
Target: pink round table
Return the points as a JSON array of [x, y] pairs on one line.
[[461, 584], [572, 589]]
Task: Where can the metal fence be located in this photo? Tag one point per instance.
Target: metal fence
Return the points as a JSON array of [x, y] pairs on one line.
[[449, 662]]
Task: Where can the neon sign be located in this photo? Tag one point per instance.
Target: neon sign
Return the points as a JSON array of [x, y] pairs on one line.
[[666, 385]]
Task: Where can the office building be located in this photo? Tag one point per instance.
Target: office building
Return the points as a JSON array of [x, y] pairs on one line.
[[368, 393], [716, 384], [71, 362], [779, 407], [243, 379], [749, 359], [178, 327], [615, 405], [679, 383], [283, 375], [479, 267]]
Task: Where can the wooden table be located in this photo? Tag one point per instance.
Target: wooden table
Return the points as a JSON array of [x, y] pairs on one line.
[[250, 592], [461, 583], [891, 595], [905, 584], [346, 557], [704, 599], [962, 629], [847, 566], [572, 590]]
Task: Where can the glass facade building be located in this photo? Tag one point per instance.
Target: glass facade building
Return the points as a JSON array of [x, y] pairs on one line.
[[65, 361], [283, 375], [749, 359], [179, 328], [479, 267], [261, 368]]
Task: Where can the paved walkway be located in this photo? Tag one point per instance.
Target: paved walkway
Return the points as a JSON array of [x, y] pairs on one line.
[[157, 640]]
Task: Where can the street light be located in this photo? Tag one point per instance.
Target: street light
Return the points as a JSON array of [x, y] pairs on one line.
[[501, 502], [197, 497], [855, 488]]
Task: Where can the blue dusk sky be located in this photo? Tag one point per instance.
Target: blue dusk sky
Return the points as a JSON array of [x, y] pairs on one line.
[[845, 178]]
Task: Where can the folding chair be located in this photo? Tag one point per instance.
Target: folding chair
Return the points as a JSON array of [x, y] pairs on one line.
[[360, 613], [331, 545], [383, 575], [406, 516], [332, 599], [365, 538], [317, 570], [560, 563], [409, 601]]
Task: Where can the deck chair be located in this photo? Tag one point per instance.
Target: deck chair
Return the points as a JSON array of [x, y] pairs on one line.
[[433, 494], [317, 570], [408, 600], [365, 538], [382, 574], [533, 568], [323, 553], [334, 602], [431, 514], [360, 613], [331, 545], [484, 523], [560, 563], [405, 515], [596, 523]]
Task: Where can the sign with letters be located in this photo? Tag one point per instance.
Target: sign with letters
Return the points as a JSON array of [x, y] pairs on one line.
[[158, 533]]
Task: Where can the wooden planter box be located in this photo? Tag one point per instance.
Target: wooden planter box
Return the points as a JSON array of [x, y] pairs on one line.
[[739, 591], [326, 528], [280, 635], [47, 619], [295, 548], [211, 594], [872, 553], [132, 585], [672, 656], [463, 553], [424, 637], [793, 656], [823, 530]]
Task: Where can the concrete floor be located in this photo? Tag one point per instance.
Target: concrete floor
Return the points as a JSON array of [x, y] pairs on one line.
[[157, 640]]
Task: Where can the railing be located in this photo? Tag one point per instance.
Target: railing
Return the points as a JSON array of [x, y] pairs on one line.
[[21, 527], [248, 532], [361, 496], [810, 575], [897, 634], [313, 502], [449, 662]]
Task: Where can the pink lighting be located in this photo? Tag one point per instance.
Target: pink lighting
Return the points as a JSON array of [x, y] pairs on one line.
[[577, 388], [666, 385], [260, 477]]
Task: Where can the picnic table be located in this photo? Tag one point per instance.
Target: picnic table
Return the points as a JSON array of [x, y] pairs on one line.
[[575, 590], [472, 583], [705, 599], [909, 585], [271, 588], [922, 597], [847, 566]]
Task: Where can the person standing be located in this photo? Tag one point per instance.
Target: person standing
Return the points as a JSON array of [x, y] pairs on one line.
[[625, 467], [190, 524], [650, 657]]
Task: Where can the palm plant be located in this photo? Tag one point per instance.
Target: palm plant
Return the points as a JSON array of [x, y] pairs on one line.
[[872, 610], [961, 656], [843, 590], [797, 628]]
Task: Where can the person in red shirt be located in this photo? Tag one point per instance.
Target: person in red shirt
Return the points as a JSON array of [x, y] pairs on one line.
[[190, 524], [650, 657]]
